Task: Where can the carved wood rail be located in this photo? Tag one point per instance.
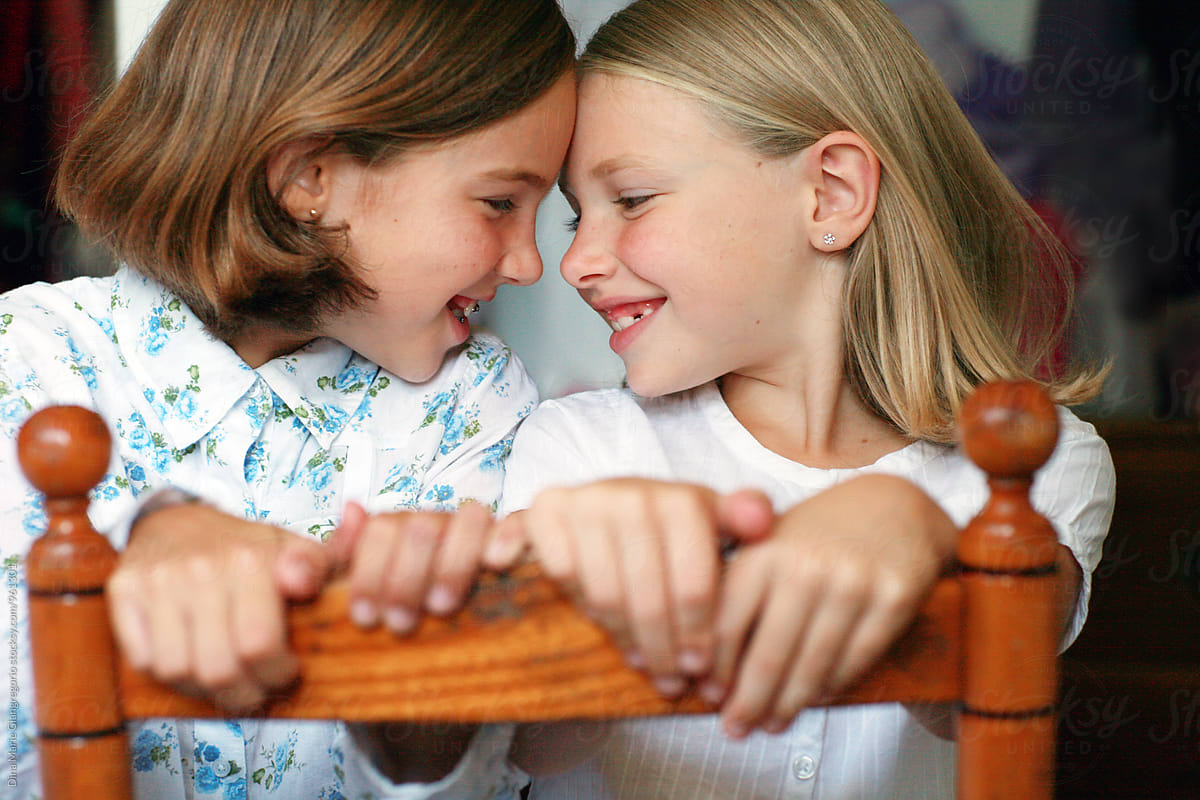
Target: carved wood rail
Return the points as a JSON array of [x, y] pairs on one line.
[[985, 639]]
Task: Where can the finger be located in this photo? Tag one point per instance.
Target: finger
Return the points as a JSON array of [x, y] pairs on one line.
[[547, 525], [458, 558], [836, 610], [506, 542], [768, 656], [601, 580], [130, 626], [690, 553], [646, 599], [741, 597], [368, 568], [214, 665], [406, 582], [346, 535], [301, 566], [168, 624], [746, 515], [257, 621], [890, 611]]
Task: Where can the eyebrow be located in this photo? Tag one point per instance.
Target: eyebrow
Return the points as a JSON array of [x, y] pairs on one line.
[[520, 176], [610, 165], [607, 167]]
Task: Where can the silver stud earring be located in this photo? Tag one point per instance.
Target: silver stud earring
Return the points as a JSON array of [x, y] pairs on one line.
[[830, 239]]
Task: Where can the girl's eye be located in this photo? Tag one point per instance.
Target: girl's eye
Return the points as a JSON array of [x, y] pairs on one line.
[[573, 224], [503, 205], [630, 203]]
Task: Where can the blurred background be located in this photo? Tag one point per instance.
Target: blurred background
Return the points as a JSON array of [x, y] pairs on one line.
[[1092, 108]]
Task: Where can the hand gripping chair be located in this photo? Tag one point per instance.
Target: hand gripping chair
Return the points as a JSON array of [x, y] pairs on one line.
[[985, 639]]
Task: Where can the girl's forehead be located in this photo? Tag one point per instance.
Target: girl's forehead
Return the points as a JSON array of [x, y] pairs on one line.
[[633, 122]]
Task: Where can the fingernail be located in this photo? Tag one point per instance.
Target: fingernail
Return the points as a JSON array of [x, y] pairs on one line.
[[635, 659], [736, 729], [692, 662], [440, 600], [712, 692], [399, 619], [669, 685], [775, 726], [364, 614]]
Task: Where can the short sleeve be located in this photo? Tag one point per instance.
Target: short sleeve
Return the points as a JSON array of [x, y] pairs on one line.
[[1076, 491], [586, 437]]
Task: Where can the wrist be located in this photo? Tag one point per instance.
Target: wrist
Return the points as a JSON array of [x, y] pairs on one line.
[[160, 499]]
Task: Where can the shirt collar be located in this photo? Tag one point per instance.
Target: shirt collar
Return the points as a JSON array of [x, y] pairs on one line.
[[323, 384], [192, 380]]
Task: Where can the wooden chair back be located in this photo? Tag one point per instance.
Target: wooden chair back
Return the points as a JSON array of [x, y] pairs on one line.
[[985, 639]]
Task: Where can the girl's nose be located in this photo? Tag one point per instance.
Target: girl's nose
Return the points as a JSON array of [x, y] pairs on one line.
[[522, 265], [586, 262]]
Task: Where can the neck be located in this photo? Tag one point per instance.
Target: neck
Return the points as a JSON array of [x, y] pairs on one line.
[[257, 346], [800, 404]]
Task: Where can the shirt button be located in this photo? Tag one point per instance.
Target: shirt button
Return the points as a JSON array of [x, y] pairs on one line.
[[804, 767]]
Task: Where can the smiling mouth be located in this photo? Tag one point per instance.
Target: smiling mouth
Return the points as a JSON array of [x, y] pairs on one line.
[[626, 316], [462, 307]]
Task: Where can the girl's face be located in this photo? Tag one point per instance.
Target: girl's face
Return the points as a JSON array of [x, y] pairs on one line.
[[692, 246], [440, 229]]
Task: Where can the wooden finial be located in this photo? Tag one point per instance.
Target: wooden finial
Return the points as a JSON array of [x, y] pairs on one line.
[[1008, 557], [1009, 428], [64, 452]]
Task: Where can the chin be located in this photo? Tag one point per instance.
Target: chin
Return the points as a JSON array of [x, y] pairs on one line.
[[414, 369], [652, 385]]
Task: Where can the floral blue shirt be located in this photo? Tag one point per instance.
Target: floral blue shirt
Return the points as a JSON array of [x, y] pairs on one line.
[[288, 443]]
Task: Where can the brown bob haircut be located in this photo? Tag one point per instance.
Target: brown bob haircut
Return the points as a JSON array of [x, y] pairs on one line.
[[170, 172]]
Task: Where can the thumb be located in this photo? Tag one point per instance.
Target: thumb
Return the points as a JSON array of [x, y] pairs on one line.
[[301, 566], [344, 540], [506, 542], [745, 515]]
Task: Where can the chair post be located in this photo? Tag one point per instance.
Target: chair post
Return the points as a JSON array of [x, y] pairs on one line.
[[1009, 555], [64, 452]]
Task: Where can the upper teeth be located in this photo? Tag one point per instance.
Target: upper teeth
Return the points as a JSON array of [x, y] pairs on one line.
[[621, 323]]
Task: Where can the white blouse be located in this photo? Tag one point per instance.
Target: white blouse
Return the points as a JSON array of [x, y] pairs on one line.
[[870, 751]]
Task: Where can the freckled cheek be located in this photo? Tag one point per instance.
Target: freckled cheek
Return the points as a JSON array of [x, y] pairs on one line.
[[652, 252], [479, 251]]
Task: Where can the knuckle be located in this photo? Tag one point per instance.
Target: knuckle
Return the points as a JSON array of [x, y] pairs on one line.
[[850, 584], [425, 528], [216, 677], [124, 585], [695, 600], [766, 668], [605, 605], [169, 670], [257, 643], [200, 568]]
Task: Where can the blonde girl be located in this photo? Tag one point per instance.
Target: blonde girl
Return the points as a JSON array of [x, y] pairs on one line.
[[308, 198], [808, 260]]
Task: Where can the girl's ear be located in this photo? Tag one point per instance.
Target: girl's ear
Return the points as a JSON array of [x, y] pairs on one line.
[[299, 176], [844, 173]]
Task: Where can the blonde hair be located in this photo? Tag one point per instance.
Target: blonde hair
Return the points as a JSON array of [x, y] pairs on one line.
[[947, 288], [171, 169]]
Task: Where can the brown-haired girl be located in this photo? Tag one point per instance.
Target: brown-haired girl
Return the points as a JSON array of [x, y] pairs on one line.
[[308, 198], [808, 260]]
